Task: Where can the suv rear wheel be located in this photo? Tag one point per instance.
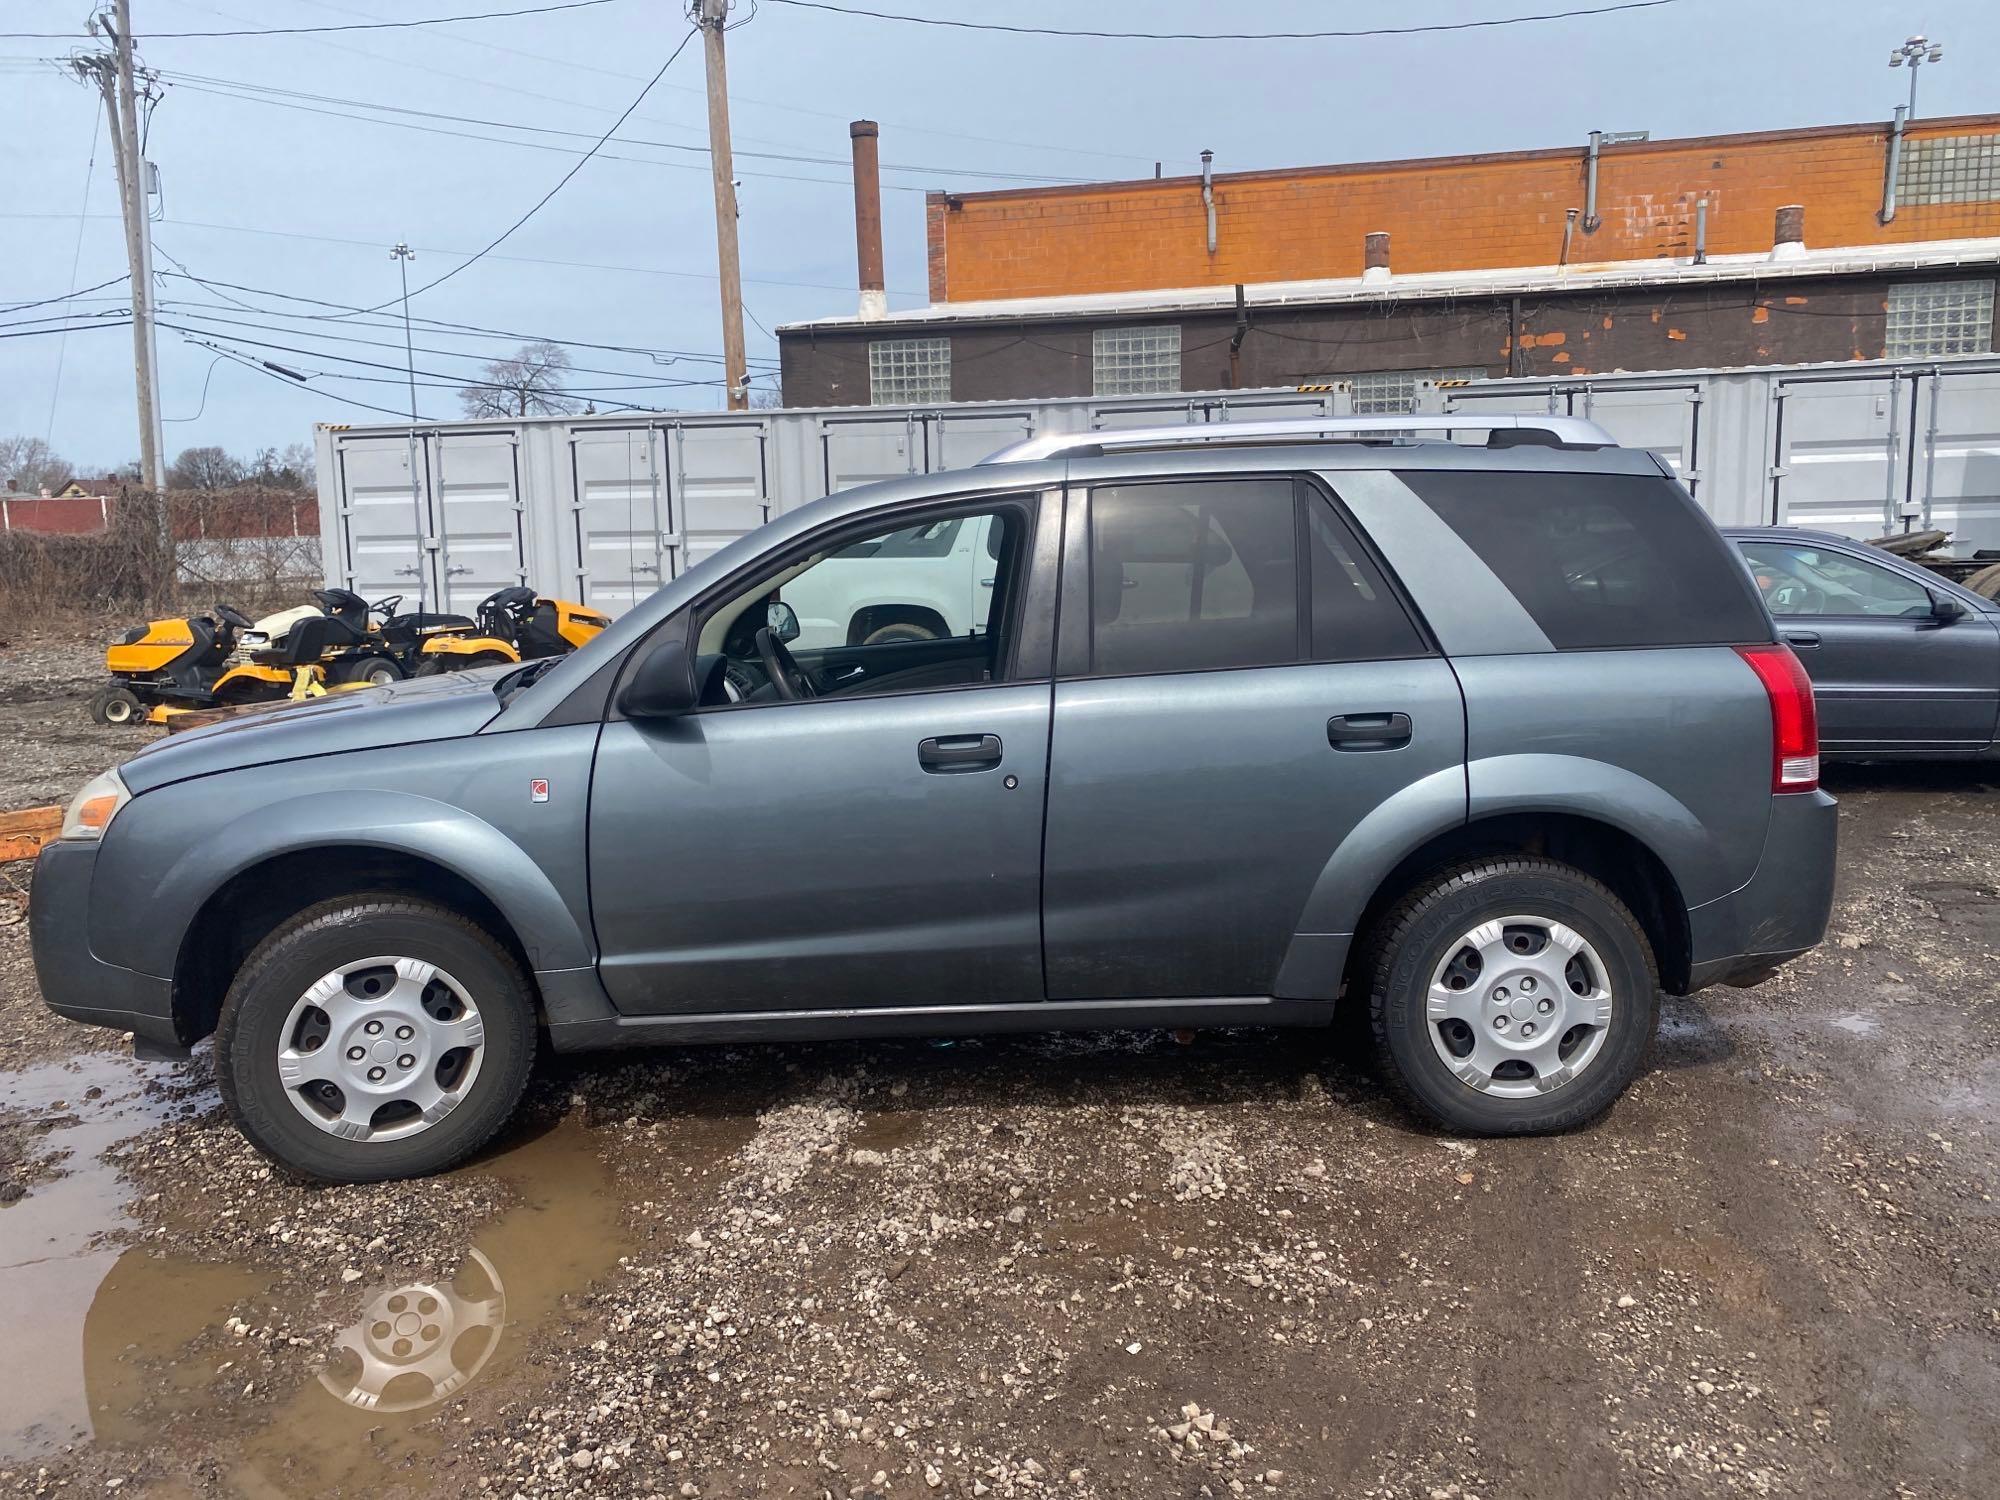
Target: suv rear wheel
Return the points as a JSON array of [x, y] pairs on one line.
[[1512, 996], [375, 1036]]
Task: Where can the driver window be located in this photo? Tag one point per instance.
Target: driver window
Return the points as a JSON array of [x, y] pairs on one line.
[[916, 606], [1798, 580]]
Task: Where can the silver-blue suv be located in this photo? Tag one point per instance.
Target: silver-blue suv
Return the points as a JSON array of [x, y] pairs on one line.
[[1253, 723]]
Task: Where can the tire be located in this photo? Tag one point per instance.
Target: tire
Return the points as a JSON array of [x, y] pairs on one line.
[[376, 671], [1426, 936], [1910, 543], [1986, 582], [116, 705], [901, 630], [312, 948]]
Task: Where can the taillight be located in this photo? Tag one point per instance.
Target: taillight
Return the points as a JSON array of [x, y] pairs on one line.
[[1794, 720]]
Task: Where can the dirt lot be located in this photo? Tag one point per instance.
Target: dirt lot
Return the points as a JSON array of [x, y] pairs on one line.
[[1065, 1266]]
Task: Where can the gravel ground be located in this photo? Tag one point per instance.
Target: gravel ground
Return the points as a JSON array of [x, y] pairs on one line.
[[1107, 1266]]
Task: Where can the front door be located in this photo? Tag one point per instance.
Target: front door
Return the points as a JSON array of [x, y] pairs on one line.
[[838, 828], [1240, 688], [1887, 674]]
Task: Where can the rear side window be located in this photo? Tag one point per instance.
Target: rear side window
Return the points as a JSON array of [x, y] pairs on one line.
[[1354, 616], [1190, 577], [1600, 560]]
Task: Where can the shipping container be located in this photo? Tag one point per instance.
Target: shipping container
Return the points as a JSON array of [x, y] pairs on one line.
[[603, 509]]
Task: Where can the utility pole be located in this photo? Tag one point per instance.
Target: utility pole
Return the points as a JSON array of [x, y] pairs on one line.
[[402, 255], [123, 105], [711, 15]]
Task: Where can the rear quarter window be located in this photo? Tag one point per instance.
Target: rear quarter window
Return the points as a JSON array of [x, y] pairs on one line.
[[1600, 560]]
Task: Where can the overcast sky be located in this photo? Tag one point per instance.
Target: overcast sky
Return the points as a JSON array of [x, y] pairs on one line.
[[268, 194]]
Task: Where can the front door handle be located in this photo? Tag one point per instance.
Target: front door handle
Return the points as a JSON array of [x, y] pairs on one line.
[[1805, 640], [955, 754], [1388, 731]]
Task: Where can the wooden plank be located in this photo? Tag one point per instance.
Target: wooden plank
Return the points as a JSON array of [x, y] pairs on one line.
[[23, 833]]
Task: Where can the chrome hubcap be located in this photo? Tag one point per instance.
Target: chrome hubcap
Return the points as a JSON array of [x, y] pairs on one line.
[[1519, 1006], [381, 1048]]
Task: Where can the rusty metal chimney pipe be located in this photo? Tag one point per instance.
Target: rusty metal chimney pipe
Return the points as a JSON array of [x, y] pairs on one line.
[[1789, 233], [1375, 257], [864, 136]]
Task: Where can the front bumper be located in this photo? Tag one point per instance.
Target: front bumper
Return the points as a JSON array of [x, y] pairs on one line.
[[74, 981], [1783, 909]]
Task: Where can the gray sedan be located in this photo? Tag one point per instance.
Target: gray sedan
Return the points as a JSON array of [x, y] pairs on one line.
[[1904, 662]]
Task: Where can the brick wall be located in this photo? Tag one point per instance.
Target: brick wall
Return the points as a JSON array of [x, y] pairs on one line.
[[1450, 213], [1797, 319]]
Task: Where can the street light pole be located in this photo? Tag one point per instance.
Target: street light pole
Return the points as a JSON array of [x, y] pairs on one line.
[[402, 255], [1913, 54]]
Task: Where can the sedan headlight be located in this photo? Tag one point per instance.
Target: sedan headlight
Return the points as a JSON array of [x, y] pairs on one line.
[[90, 812]]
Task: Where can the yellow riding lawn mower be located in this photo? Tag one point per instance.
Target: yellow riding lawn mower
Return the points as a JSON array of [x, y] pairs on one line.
[[513, 625], [166, 667], [168, 662]]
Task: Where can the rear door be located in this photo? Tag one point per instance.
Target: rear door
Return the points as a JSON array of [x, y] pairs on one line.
[[1887, 674], [1239, 686]]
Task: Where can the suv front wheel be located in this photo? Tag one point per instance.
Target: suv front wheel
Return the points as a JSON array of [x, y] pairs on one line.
[[1512, 996], [373, 1037]]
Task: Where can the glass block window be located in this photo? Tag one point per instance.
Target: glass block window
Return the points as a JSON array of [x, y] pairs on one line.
[[1388, 392], [1939, 317], [1136, 361], [1949, 169], [906, 371]]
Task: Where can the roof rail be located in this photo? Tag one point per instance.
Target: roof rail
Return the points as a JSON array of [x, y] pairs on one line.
[[1519, 429]]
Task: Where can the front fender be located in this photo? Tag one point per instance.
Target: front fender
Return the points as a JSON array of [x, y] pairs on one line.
[[156, 871]]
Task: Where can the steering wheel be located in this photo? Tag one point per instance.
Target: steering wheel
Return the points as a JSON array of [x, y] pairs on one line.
[[231, 617], [386, 607], [787, 676]]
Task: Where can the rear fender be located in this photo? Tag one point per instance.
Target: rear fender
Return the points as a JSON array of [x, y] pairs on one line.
[[1610, 794], [1417, 814]]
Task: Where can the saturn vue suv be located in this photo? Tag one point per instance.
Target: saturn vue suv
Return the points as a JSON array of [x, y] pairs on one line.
[[1488, 740]]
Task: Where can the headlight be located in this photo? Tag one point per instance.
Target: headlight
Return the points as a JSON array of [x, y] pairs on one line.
[[90, 812]]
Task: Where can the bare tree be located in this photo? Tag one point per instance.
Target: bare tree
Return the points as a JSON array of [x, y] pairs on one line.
[[27, 464], [205, 469], [527, 385], [289, 468]]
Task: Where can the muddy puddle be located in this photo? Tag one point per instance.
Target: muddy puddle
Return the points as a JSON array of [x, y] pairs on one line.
[[113, 1344]]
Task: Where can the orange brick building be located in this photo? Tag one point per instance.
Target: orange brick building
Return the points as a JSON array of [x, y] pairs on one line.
[[1617, 255]]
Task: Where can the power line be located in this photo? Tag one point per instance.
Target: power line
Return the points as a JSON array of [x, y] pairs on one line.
[[735, 98], [437, 325], [1220, 36], [335, 114], [81, 291], [193, 310], [75, 259], [485, 15], [265, 93], [496, 242], [526, 260], [77, 328]]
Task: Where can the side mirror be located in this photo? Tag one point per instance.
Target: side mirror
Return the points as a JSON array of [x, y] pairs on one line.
[[781, 620], [662, 686], [1944, 608]]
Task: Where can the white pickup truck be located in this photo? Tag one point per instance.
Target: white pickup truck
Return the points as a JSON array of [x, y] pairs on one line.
[[943, 586]]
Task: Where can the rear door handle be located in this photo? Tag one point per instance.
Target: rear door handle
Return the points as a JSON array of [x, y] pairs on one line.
[[1805, 640], [1389, 731], [954, 754]]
